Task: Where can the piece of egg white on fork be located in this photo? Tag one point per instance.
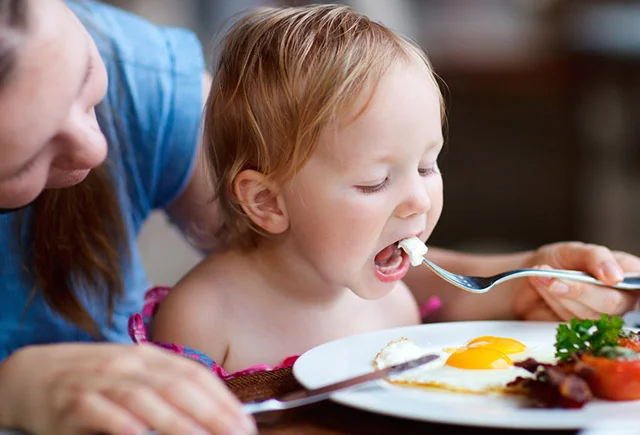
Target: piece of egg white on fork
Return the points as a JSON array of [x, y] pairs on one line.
[[414, 248]]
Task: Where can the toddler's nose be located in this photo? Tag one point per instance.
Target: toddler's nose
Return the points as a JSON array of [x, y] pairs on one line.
[[416, 202]]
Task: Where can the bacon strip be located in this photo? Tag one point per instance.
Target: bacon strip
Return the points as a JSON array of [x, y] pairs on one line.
[[554, 386]]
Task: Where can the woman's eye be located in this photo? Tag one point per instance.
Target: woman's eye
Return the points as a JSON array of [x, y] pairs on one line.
[[373, 189]]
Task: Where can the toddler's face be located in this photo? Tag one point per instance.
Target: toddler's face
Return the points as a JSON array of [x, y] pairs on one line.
[[372, 181]]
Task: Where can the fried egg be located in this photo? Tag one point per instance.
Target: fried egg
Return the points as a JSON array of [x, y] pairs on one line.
[[483, 365]]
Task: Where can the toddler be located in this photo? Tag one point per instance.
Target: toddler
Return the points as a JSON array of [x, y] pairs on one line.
[[323, 131]]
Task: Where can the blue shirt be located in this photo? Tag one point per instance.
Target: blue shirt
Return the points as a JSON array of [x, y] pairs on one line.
[[155, 93]]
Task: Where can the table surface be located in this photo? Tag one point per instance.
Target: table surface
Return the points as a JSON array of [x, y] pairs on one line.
[[329, 418]]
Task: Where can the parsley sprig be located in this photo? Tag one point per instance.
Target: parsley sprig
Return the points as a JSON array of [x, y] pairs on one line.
[[587, 335]]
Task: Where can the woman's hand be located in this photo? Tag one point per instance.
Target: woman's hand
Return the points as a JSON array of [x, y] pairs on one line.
[[114, 389], [552, 299]]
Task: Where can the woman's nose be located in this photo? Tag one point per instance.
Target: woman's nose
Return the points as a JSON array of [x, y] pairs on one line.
[[416, 200], [80, 144]]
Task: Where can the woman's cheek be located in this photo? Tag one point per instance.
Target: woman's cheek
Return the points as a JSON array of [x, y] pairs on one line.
[[15, 194]]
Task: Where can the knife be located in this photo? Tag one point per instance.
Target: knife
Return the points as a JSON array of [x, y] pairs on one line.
[[306, 397]]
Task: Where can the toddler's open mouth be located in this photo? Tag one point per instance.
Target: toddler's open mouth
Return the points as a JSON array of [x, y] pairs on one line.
[[391, 263], [389, 258]]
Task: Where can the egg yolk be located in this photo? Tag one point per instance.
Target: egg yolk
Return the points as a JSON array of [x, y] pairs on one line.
[[504, 345], [478, 358]]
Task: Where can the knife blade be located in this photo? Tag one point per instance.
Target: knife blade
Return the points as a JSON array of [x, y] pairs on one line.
[[306, 397]]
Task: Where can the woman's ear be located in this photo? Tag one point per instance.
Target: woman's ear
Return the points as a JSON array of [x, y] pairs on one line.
[[261, 201]]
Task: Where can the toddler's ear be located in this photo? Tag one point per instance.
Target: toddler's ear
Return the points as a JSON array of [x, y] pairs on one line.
[[261, 201]]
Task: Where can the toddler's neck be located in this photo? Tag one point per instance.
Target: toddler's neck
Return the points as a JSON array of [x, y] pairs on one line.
[[287, 274]]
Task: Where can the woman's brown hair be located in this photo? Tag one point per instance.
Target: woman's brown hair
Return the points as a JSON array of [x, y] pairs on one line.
[[77, 238], [283, 75]]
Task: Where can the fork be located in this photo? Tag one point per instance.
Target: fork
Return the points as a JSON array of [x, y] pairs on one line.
[[479, 284]]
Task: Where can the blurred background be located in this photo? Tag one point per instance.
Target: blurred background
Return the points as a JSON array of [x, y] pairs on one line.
[[543, 133]]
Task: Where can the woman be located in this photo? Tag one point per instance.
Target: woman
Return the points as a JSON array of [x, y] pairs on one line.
[[80, 218], [84, 181]]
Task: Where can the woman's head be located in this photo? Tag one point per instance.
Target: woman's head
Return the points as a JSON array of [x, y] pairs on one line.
[[51, 78], [284, 74]]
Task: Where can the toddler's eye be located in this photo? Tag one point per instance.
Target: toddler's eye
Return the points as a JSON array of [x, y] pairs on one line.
[[429, 170], [375, 188]]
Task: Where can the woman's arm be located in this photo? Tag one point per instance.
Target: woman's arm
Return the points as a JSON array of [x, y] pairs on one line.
[[529, 298], [194, 211]]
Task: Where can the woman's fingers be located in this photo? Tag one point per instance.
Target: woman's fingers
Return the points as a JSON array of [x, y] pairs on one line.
[[201, 395], [594, 259], [586, 298], [575, 299], [628, 262], [94, 413], [152, 409], [163, 399], [551, 301], [578, 309], [172, 394], [115, 389], [584, 301], [195, 401], [601, 299], [540, 311]]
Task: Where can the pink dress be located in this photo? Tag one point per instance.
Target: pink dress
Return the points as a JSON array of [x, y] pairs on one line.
[[139, 323]]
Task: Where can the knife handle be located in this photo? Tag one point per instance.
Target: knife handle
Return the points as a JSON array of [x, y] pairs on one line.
[[264, 406]]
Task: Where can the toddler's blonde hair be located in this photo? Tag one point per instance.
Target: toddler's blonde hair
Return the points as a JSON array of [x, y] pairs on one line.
[[283, 75]]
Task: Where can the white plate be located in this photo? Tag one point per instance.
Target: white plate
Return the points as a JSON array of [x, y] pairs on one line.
[[351, 356]]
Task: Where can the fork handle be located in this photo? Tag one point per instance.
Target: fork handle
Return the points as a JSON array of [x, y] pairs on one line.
[[631, 281]]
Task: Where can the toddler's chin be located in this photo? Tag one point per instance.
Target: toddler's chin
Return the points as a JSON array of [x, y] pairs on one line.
[[373, 291]]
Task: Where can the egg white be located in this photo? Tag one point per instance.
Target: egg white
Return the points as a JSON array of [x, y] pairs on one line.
[[436, 374]]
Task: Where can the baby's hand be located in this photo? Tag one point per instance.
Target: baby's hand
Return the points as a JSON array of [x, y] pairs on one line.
[[543, 298]]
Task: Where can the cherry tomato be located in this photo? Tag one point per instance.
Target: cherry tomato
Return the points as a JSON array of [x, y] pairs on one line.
[[613, 379]]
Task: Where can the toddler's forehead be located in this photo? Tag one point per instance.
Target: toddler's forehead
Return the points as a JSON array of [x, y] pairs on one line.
[[401, 109]]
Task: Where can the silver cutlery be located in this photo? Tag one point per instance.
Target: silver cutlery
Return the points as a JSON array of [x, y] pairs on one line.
[[479, 284], [306, 397]]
